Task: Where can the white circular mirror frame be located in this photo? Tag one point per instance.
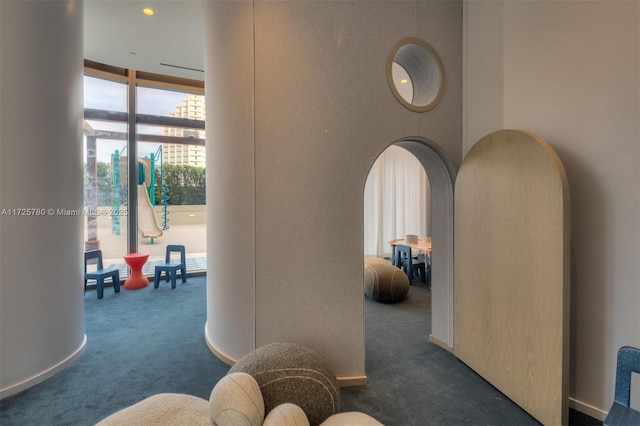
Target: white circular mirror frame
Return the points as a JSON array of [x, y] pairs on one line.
[[418, 59]]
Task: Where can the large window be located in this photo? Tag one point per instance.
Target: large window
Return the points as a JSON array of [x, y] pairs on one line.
[[161, 143], [106, 172]]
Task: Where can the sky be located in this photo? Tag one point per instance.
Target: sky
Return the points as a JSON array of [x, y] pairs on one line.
[[112, 96]]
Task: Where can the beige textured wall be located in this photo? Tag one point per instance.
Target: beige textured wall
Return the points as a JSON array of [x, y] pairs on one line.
[[571, 74], [322, 113]]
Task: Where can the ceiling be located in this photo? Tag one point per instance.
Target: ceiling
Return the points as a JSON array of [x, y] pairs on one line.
[[117, 32]]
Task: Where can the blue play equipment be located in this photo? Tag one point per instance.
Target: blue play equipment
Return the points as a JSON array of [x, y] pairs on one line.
[[164, 191], [115, 166], [142, 177]]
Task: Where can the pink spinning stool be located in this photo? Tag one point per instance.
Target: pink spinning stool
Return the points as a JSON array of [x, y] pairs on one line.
[[136, 279]]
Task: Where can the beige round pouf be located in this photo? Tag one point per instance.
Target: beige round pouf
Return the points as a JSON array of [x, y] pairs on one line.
[[163, 409], [286, 414], [351, 418], [289, 372], [236, 401], [375, 260], [385, 283]]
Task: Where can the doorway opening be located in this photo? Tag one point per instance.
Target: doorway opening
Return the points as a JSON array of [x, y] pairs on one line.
[[441, 176]]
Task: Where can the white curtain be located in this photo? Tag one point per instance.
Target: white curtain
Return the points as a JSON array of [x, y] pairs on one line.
[[396, 201]]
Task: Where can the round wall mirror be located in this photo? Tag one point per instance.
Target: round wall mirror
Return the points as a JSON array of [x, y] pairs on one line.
[[415, 74]]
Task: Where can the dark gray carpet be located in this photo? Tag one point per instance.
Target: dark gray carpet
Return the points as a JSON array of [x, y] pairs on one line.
[[150, 341], [414, 382], [139, 343]]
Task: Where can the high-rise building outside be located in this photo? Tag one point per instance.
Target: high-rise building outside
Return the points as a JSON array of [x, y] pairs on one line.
[[191, 107]]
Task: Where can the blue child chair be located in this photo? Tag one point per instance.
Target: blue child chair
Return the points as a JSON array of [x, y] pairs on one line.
[[171, 268], [100, 273], [409, 264], [621, 413]]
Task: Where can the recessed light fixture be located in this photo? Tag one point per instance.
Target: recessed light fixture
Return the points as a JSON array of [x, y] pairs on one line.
[[147, 11], [404, 81]]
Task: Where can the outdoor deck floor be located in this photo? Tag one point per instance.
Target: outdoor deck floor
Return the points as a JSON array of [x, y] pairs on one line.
[[193, 237]]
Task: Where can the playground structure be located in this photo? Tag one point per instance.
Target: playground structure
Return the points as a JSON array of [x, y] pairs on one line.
[[106, 212], [148, 224], [107, 182]]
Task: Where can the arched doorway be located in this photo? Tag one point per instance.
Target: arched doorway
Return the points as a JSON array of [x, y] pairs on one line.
[[441, 173]]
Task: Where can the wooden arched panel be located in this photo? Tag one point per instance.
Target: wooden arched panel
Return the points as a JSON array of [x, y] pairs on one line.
[[511, 288]]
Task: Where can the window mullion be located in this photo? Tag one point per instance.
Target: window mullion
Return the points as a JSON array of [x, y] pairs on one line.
[[132, 163]]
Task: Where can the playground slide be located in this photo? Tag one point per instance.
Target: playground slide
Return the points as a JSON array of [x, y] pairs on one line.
[[147, 220]]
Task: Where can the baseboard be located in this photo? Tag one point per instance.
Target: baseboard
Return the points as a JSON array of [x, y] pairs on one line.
[[345, 381], [44, 375], [348, 381], [217, 352], [440, 343], [587, 409]]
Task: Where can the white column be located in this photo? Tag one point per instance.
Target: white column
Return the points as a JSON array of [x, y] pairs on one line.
[[230, 329], [298, 108], [41, 107]]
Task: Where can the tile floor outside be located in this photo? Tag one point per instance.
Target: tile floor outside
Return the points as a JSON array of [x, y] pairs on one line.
[[193, 237]]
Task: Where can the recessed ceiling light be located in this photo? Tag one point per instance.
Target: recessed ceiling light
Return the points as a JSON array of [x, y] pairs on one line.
[[147, 11], [404, 81]]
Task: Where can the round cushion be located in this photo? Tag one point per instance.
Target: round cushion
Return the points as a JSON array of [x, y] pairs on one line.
[[236, 401], [163, 409], [385, 283], [289, 372], [286, 414], [375, 260], [351, 418]]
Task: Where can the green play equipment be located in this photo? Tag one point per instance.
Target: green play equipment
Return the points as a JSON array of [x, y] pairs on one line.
[[147, 221]]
